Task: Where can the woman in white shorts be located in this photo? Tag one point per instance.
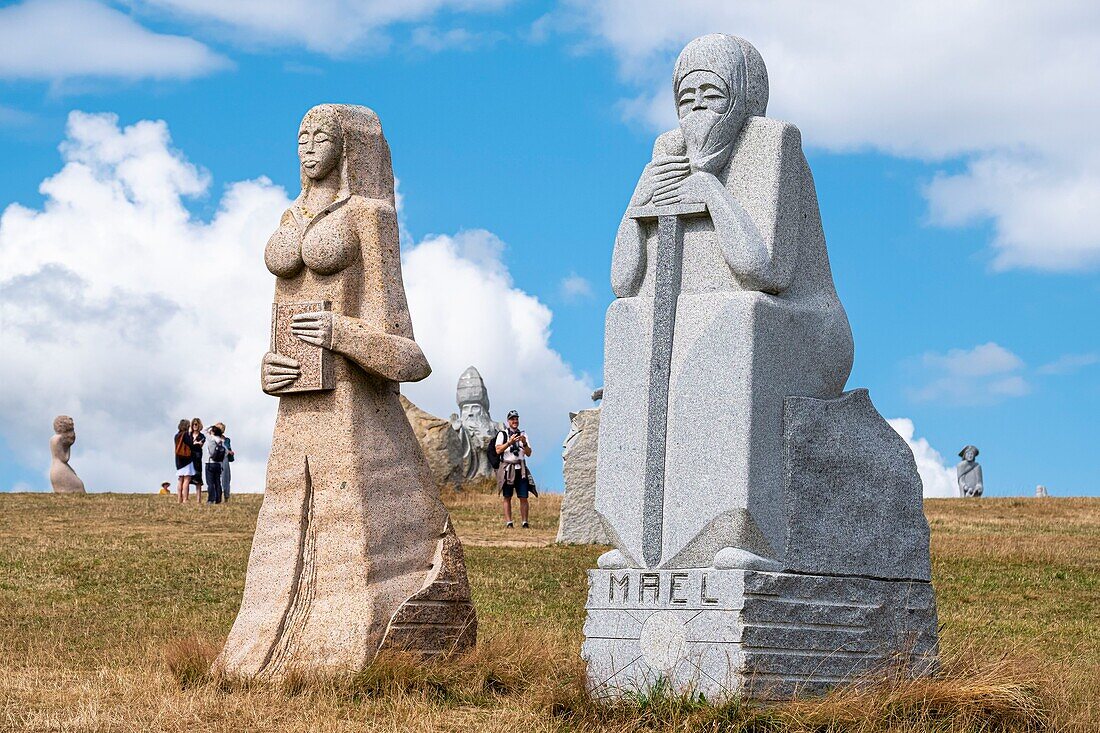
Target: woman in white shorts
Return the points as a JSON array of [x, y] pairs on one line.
[[185, 467]]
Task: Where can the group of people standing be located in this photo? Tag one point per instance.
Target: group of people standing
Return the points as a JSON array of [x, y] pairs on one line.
[[201, 452]]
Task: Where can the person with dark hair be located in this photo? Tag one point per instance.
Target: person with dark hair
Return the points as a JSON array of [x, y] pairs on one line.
[[197, 441], [185, 468], [214, 452], [512, 475]]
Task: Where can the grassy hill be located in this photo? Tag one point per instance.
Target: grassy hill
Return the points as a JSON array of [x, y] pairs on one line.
[[106, 599]]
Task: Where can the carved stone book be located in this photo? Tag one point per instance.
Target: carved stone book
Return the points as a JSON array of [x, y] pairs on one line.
[[315, 363]]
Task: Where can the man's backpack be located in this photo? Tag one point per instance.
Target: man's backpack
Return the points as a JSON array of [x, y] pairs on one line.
[[183, 450], [217, 455], [491, 451]]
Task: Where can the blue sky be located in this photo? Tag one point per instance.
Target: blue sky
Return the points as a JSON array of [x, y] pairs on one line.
[[961, 215]]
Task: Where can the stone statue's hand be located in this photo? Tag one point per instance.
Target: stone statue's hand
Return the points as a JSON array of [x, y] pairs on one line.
[[662, 172], [278, 372], [696, 187], [313, 328]]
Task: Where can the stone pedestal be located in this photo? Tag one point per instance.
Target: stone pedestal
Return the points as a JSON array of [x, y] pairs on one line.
[[722, 633]]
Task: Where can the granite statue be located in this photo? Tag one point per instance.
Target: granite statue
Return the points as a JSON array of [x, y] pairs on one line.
[[63, 478], [354, 552], [474, 425], [579, 524], [440, 444], [969, 473], [740, 484]]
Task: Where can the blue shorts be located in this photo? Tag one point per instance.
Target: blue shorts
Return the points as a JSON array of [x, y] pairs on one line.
[[520, 487]]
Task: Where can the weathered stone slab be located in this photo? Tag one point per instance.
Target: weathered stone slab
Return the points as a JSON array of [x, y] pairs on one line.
[[440, 443], [848, 471], [579, 523]]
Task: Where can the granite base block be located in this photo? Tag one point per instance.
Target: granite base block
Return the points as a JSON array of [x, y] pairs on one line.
[[724, 633]]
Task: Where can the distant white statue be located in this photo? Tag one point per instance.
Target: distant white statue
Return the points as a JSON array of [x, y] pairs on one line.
[[62, 476], [970, 473], [1041, 492]]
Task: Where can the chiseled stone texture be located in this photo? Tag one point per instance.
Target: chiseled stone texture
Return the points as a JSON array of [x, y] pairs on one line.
[[737, 353], [768, 525], [579, 523], [315, 363], [757, 634], [854, 500], [441, 444], [63, 478], [440, 618], [351, 523], [474, 425]]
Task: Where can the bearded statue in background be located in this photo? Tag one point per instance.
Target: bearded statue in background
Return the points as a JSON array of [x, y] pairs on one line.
[[473, 423]]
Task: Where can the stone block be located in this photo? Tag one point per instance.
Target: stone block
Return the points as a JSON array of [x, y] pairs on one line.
[[853, 497], [579, 523], [722, 633]]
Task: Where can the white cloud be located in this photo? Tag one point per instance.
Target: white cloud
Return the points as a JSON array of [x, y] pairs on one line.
[[466, 310], [1069, 363], [575, 287], [1008, 88], [59, 39], [436, 39], [325, 26], [984, 374], [980, 361], [939, 480], [121, 309]]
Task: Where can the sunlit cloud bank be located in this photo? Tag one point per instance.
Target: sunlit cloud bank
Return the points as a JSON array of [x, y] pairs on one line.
[[122, 309], [1007, 91], [939, 480]]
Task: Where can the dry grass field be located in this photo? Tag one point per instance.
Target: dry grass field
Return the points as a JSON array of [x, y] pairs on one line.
[[112, 605]]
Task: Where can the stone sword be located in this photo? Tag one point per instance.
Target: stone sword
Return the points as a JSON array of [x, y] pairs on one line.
[[666, 290]]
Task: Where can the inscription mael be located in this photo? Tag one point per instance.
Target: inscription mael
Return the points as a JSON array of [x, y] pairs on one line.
[[314, 362], [632, 589]]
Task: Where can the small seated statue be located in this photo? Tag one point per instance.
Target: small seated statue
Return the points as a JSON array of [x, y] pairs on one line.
[[969, 473]]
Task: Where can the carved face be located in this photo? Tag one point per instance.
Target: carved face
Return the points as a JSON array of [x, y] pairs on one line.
[[319, 145], [703, 102], [474, 418], [701, 90], [969, 454]]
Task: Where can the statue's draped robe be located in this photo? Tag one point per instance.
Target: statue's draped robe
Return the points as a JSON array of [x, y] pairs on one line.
[[351, 518], [737, 353], [970, 478]]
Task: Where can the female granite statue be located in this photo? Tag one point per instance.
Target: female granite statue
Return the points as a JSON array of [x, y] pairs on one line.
[[352, 536], [63, 478], [757, 319]]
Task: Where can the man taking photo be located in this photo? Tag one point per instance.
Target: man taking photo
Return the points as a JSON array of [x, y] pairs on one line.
[[512, 475]]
